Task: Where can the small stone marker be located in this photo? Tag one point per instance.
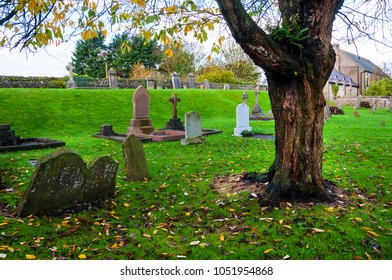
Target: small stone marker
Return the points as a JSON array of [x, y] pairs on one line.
[[226, 86], [242, 117], [135, 159], [176, 81], [62, 179], [7, 136], [71, 82], [207, 84], [193, 129], [140, 122], [150, 82], [107, 130], [191, 80], [112, 78]]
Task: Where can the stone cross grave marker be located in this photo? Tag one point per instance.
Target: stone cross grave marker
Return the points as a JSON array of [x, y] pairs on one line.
[[71, 82], [135, 159], [193, 129], [242, 117], [140, 122], [176, 81], [63, 178], [174, 122], [256, 111]]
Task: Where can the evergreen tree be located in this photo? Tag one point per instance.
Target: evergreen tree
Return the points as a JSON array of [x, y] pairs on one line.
[[125, 51], [89, 57]]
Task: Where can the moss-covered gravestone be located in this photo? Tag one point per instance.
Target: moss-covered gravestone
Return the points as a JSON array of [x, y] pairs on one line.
[[62, 179], [134, 159]]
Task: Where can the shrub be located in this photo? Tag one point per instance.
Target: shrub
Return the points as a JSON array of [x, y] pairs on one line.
[[218, 75], [382, 87]]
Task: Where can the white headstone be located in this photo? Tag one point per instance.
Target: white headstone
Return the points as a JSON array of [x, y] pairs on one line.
[[193, 130], [242, 119]]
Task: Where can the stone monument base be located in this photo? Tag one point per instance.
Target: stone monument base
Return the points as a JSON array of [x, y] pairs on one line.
[[195, 140], [239, 130]]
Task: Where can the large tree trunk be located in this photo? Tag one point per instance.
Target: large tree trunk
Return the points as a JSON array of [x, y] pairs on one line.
[[296, 76], [298, 108]]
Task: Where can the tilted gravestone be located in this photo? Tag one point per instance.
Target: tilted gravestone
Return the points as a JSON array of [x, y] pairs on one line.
[[193, 129], [135, 159], [141, 122], [62, 179]]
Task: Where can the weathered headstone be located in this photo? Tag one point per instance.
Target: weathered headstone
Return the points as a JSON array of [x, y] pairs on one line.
[[193, 129], [176, 81], [338, 103], [226, 86], [140, 122], [113, 83], [71, 82], [150, 82], [357, 102], [135, 159], [242, 117], [174, 122], [62, 179], [101, 179], [327, 112], [191, 80], [207, 84]]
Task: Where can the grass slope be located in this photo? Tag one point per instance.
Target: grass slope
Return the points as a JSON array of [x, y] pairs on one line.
[[176, 213]]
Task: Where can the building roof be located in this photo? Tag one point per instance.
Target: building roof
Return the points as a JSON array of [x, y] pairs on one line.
[[362, 62], [338, 77]]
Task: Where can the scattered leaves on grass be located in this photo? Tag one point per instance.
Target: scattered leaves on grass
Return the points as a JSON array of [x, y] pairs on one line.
[[268, 250], [30, 257]]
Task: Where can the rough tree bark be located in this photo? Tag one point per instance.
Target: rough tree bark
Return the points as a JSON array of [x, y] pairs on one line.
[[296, 74]]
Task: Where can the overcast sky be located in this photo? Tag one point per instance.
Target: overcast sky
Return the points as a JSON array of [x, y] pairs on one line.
[[51, 61]]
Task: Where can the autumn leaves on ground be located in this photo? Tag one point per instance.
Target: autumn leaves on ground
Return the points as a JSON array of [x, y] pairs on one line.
[[194, 206]]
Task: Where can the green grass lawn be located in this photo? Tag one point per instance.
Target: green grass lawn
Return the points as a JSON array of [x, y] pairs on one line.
[[177, 214]]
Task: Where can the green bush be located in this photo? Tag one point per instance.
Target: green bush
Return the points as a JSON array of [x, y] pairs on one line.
[[382, 87], [219, 76]]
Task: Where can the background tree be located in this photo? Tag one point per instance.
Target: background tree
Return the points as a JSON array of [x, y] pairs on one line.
[[89, 57], [233, 58], [181, 60], [125, 50], [289, 40]]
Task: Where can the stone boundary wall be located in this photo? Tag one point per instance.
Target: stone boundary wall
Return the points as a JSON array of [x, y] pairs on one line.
[[379, 101], [32, 82], [86, 82]]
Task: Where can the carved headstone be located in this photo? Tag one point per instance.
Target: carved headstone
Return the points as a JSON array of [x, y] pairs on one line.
[[357, 102], [226, 86], [193, 129], [140, 122], [256, 111], [135, 159], [62, 179]]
